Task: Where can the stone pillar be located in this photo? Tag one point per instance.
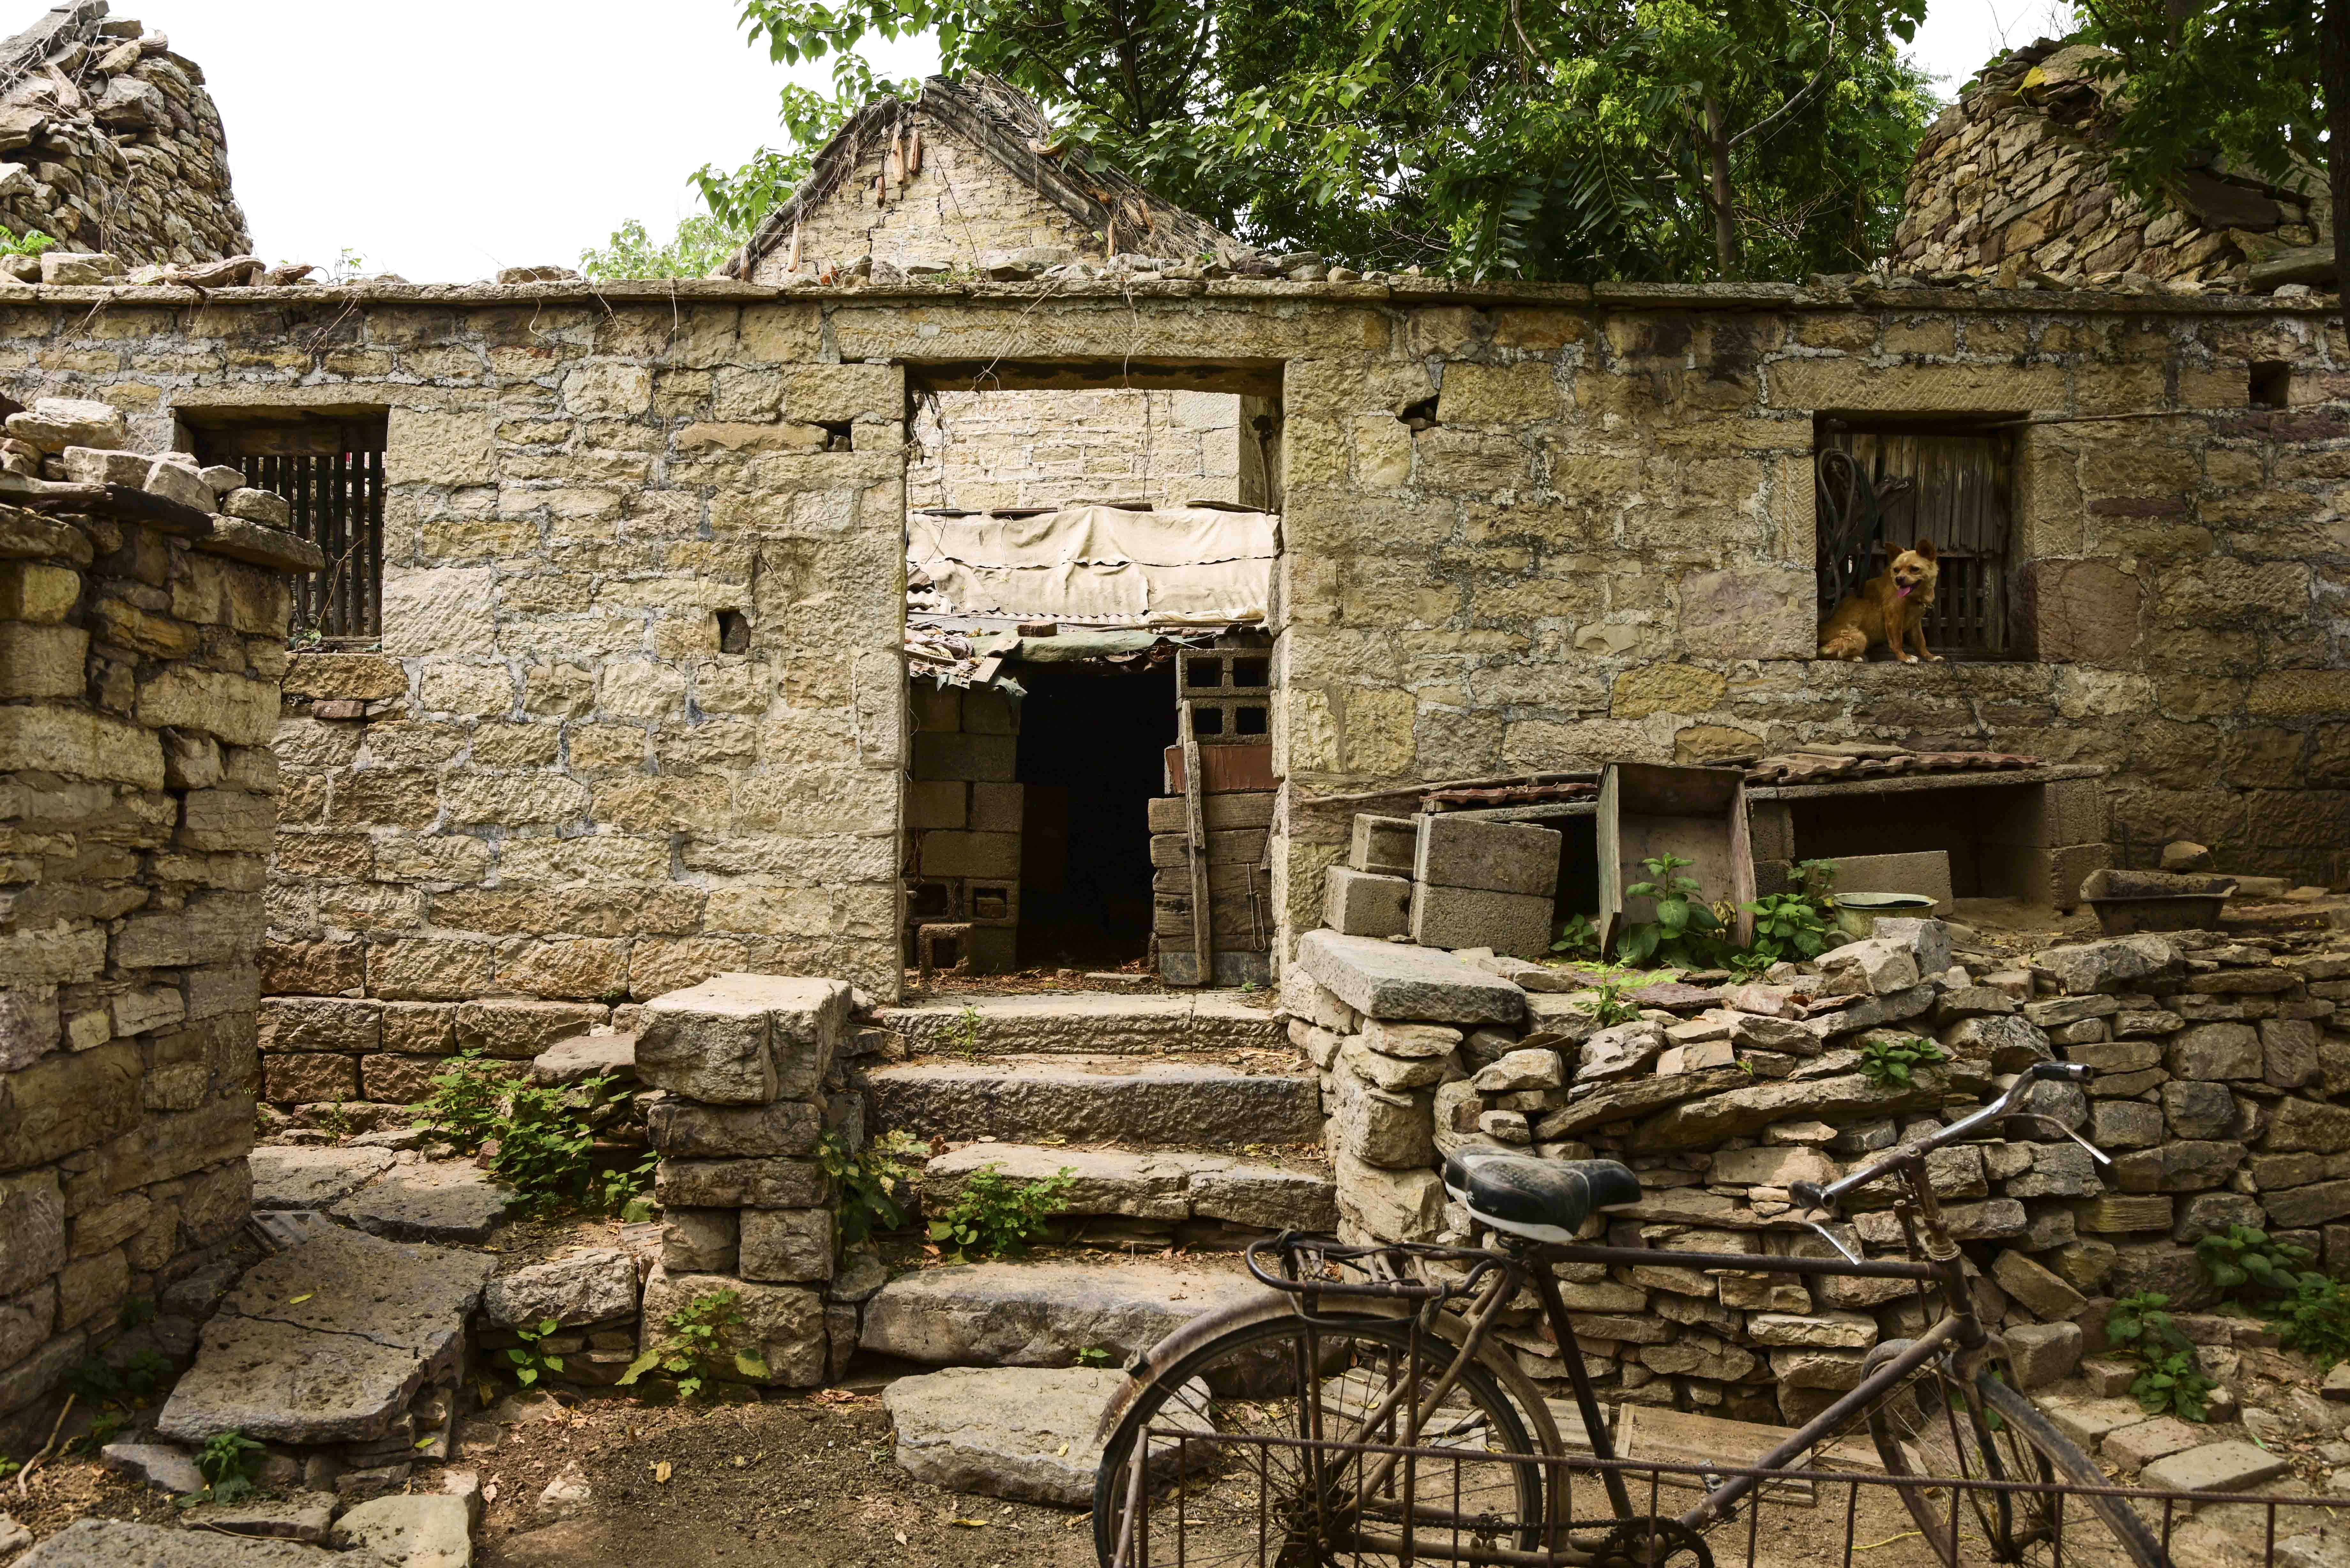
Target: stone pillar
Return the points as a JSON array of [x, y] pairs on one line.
[[744, 1060], [139, 656]]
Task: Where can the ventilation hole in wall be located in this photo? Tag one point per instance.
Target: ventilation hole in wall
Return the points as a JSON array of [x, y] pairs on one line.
[[837, 437], [2272, 384], [1207, 721], [1252, 671], [1207, 672], [1420, 415], [733, 632], [1251, 721]]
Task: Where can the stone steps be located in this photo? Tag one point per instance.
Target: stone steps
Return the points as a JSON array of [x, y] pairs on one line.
[[1042, 1314], [1098, 1100], [1086, 1022], [1157, 1184]]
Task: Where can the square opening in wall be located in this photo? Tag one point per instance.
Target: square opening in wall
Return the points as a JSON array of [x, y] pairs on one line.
[[1256, 673], [1207, 721], [1248, 719], [1203, 674], [733, 631], [1882, 488], [2272, 384]]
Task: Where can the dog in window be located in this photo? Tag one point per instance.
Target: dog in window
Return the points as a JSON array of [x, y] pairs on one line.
[[1889, 608]]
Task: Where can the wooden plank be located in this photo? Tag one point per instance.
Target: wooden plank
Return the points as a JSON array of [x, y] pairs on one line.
[[1195, 790]]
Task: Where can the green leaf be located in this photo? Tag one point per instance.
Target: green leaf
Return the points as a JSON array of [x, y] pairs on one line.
[[639, 1368]]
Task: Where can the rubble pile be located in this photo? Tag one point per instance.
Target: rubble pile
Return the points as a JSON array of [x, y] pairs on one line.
[[110, 146], [2217, 1093]]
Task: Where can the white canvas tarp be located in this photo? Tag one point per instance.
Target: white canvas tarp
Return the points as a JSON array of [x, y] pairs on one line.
[[1100, 563]]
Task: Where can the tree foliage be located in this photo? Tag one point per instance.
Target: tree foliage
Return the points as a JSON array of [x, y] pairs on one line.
[[701, 246], [1472, 136]]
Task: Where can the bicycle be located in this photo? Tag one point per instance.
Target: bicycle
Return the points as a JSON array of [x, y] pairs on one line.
[[1359, 1363]]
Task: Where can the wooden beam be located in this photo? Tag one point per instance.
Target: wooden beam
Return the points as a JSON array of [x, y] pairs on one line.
[[1195, 815]]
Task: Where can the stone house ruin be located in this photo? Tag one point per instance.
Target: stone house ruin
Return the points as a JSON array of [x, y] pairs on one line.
[[612, 677]]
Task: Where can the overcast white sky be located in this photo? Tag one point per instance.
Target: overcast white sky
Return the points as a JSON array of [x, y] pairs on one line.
[[443, 139]]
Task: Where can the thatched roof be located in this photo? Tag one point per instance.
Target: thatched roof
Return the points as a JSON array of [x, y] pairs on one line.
[[1007, 125]]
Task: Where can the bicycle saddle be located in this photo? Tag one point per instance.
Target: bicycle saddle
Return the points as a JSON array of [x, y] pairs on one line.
[[1543, 1200]]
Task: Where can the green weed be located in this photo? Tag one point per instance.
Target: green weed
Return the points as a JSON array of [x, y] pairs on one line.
[[539, 1137], [529, 1359], [2169, 1380], [995, 1217], [695, 1347], [875, 1182], [1893, 1064], [229, 1462]]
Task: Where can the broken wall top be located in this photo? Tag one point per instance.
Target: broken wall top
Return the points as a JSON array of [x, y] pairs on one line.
[[111, 144]]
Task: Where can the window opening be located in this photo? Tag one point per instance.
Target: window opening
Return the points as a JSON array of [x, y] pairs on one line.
[[1881, 489], [330, 472], [2272, 384]]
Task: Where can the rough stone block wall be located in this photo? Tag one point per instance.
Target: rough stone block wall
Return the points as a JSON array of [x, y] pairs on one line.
[[553, 781], [978, 451], [110, 142], [2218, 1086], [960, 205], [137, 693]]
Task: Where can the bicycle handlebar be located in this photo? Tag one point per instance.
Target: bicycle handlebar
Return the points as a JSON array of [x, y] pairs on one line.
[[1812, 1195]]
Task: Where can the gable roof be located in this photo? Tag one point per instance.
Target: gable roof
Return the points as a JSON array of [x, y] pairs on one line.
[[1003, 122]]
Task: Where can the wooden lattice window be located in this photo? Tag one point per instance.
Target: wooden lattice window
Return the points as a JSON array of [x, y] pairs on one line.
[[330, 472], [1952, 487]]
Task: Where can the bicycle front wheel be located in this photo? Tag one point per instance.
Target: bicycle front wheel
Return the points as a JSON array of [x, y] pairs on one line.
[[1935, 1428], [1344, 1380]]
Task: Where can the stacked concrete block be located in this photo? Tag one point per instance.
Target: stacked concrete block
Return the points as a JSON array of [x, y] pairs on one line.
[[1479, 884], [1240, 900], [140, 654], [751, 1067], [1371, 895], [963, 812], [2219, 1087], [2044, 842]]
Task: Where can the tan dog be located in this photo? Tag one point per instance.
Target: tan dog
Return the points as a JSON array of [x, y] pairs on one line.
[[1889, 607]]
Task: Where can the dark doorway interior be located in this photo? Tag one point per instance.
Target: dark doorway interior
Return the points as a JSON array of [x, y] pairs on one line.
[[1092, 739]]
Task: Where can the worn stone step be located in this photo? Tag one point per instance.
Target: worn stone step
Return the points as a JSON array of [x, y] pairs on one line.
[[1089, 1023], [1096, 1099], [1042, 1314], [328, 1342], [1154, 1184]]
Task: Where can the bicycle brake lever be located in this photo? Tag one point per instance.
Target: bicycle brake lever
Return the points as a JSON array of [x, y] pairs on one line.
[[2095, 1152]]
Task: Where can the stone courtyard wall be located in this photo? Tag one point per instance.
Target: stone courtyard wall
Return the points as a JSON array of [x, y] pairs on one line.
[[557, 789], [138, 695]]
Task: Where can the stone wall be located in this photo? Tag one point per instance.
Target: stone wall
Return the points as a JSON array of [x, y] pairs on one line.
[[557, 781], [112, 143], [2016, 180], [978, 451], [2219, 1087], [139, 665]]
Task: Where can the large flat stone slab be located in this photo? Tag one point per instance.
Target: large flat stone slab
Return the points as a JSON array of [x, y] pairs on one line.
[[118, 1543], [1089, 1022], [327, 1342], [743, 1039], [309, 1177], [1023, 1432], [1042, 1314], [448, 1201], [1163, 1184], [1096, 1099], [1398, 980]]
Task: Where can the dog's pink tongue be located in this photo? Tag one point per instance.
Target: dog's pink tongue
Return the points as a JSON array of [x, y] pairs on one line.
[[1905, 592]]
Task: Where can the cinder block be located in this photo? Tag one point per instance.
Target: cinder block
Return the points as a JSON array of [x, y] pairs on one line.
[[939, 803], [1514, 923], [1237, 923], [2044, 817], [989, 711], [1384, 845], [1366, 903], [988, 759], [1771, 830], [1233, 847], [995, 949], [937, 708], [1925, 872], [1253, 809], [2042, 876], [950, 854], [1490, 857], [996, 808]]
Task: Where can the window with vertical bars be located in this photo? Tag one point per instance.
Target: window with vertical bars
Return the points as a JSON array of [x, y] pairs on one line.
[[1952, 487], [330, 472]]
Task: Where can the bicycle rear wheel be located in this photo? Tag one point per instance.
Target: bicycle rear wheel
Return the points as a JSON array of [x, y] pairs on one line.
[[1215, 1504], [1935, 1426]]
